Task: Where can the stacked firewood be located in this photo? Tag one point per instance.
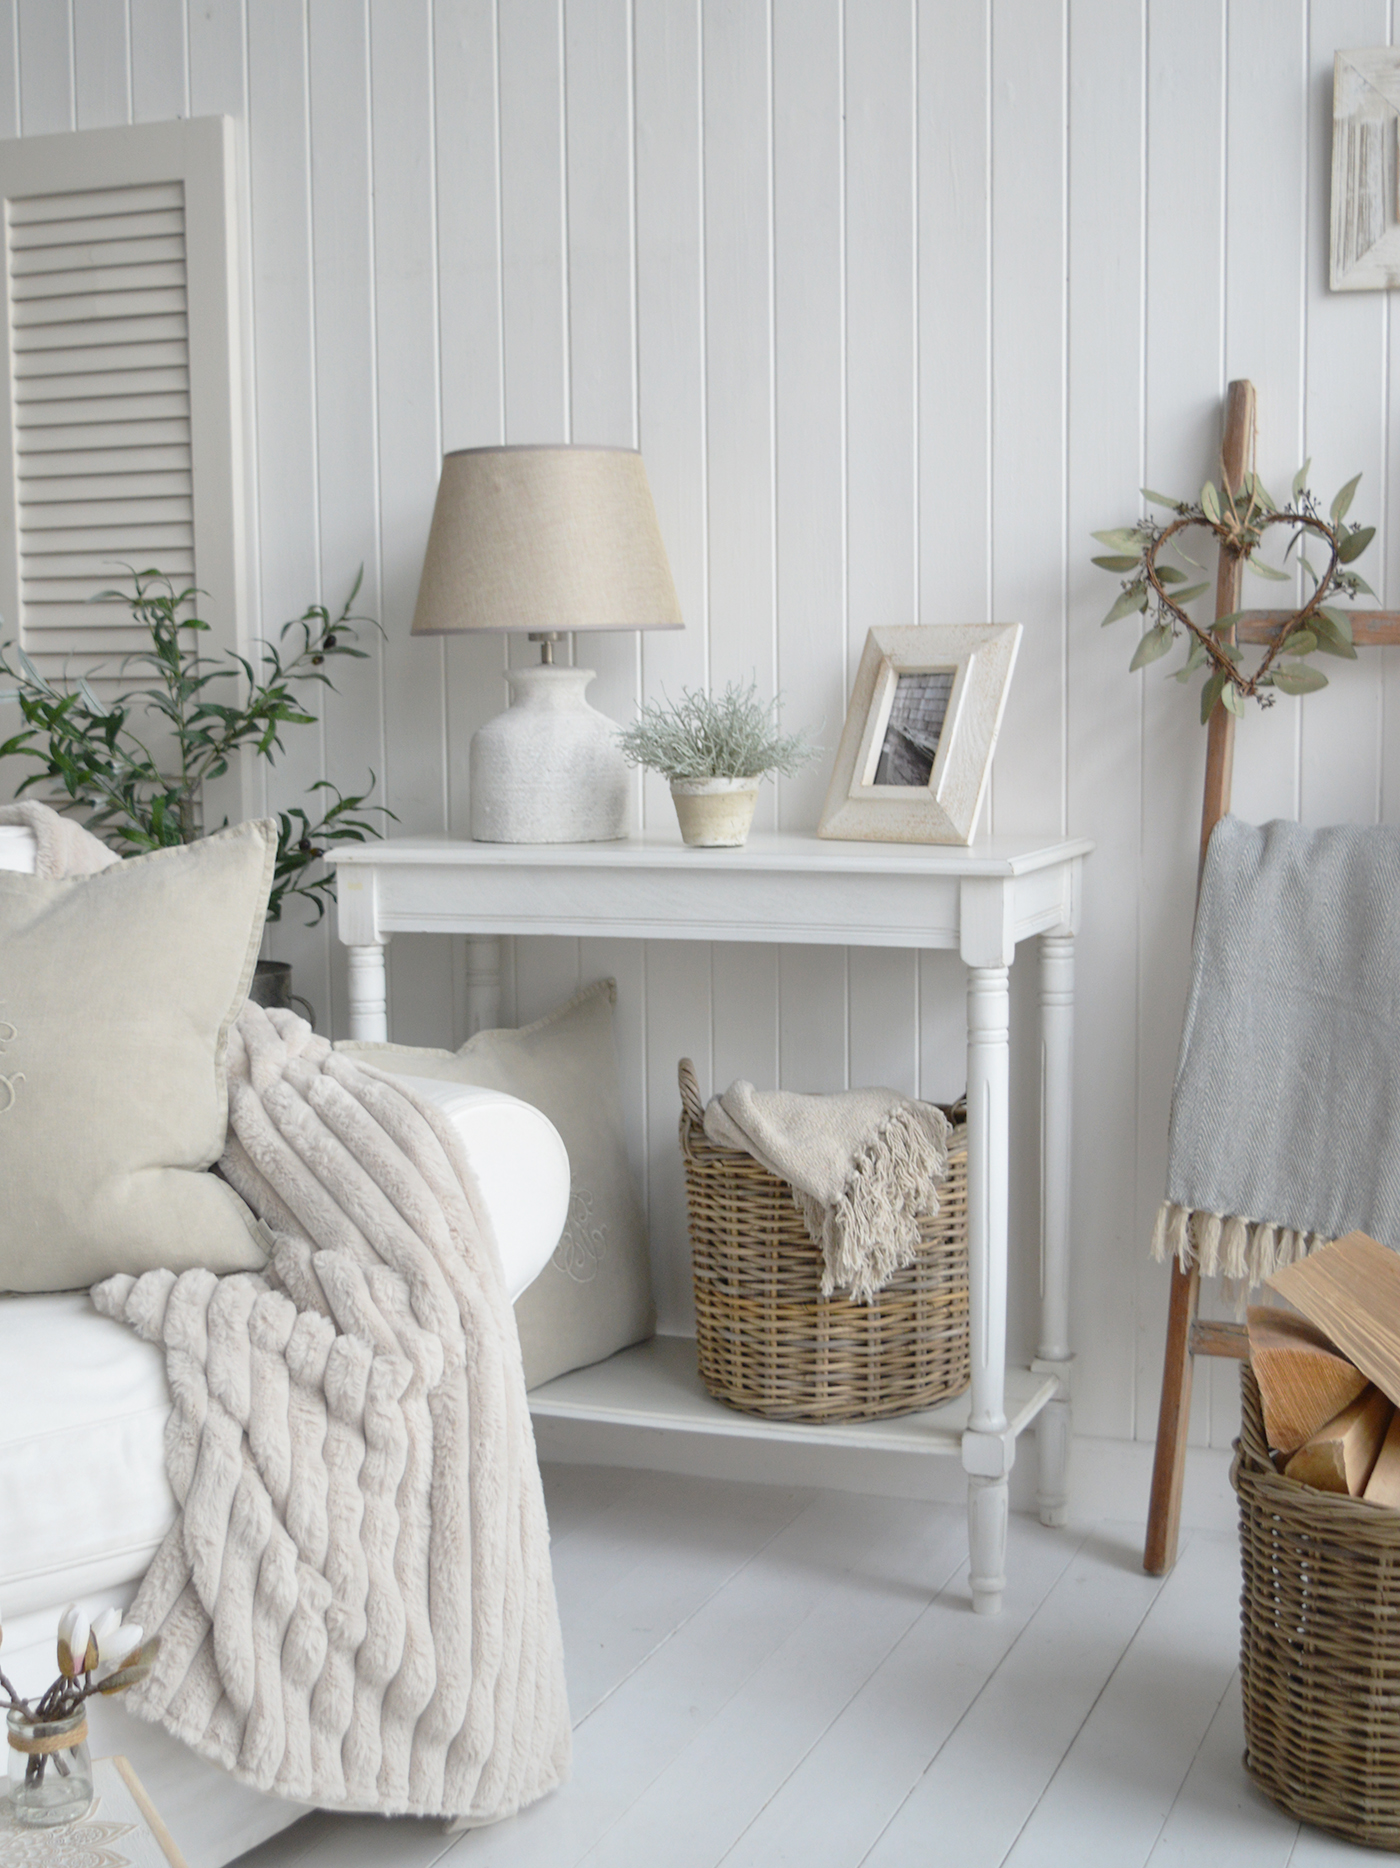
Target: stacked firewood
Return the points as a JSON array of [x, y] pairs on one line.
[[1328, 1369]]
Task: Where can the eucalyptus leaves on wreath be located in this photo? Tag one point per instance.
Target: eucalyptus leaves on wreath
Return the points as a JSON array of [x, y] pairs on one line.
[[1159, 590]]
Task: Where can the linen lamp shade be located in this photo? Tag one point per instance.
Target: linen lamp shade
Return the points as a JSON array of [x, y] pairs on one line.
[[549, 540], [545, 539]]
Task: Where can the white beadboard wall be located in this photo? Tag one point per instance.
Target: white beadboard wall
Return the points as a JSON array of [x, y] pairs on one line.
[[900, 299]]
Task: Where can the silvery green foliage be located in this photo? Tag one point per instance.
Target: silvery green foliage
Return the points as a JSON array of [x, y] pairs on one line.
[[730, 735], [1159, 590]]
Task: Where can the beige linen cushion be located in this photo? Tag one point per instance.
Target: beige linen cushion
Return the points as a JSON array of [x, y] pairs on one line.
[[594, 1296], [117, 991]]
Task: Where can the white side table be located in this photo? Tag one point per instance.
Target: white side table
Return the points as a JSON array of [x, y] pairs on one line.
[[980, 901]]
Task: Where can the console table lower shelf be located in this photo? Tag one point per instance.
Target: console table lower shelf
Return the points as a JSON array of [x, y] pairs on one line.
[[656, 1384]]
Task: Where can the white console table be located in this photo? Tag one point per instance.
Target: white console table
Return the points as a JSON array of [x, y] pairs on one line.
[[979, 901]]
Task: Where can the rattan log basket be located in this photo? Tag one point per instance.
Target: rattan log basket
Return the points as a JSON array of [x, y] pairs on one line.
[[769, 1342], [1319, 1644]]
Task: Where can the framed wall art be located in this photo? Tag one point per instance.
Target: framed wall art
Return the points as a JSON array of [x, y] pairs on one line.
[[917, 745], [1365, 246]]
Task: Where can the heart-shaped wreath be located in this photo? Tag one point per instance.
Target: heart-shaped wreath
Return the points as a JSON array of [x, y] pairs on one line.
[[1240, 521]]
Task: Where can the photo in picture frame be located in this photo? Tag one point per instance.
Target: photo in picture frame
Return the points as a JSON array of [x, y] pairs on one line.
[[916, 749]]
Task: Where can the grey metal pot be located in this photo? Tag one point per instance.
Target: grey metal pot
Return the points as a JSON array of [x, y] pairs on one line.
[[272, 986]]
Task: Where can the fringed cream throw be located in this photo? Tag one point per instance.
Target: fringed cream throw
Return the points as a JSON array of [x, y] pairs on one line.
[[356, 1607], [864, 1167], [1285, 1123]]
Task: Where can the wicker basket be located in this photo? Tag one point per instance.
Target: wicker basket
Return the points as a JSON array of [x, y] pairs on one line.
[[1319, 1645], [769, 1342]]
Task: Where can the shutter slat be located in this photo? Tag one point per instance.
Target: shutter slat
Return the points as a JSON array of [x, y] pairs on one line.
[[116, 363], [85, 307], [27, 212], [178, 566], [118, 512], [97, 566], [161, 224], [89, 414], [81, 333], [84, 462], [96, 254], [106, 540], [49, 437], [132, 487], [73, 280]]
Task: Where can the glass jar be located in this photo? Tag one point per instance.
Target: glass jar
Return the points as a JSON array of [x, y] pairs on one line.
[[50, 1768]]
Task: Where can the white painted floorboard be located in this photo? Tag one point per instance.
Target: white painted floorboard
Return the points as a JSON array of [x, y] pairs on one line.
[[766, 1675]]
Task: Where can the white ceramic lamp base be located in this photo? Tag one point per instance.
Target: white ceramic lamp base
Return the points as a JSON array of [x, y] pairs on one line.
[[548, 770]]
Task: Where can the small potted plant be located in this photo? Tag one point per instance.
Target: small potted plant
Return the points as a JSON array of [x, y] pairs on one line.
[[715, 750], [50, 1767]]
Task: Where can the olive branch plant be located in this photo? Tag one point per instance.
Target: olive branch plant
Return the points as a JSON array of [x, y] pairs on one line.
[[1240, 520], [95, 756]]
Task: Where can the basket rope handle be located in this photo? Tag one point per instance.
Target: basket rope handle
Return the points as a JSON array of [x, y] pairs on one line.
[[691, 1100]]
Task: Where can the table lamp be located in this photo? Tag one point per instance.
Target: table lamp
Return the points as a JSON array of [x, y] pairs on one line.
[[549, 541]]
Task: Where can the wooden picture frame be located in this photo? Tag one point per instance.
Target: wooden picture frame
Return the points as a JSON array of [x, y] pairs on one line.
[[1365, 225], [920, 731]]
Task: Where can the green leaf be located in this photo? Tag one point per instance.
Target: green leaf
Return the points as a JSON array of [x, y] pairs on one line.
[[1224, 623], [1345, 650], [1262, 496], [1189, 594], [1355, 542], [1161, 499], [1168, 574], [1341, 505], [1154, 644], [1210, 502], [1117, 563], [1193, 660], [1301, 642], [1300, 479], [1133, 598], [1333, 625], [1271, 571], [1233, 699], [1298, 678], [1125, 538], [1210, 693]]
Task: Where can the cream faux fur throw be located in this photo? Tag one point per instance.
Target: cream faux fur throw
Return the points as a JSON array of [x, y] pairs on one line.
[[64, 848], [356, 1606], [864, 1167]]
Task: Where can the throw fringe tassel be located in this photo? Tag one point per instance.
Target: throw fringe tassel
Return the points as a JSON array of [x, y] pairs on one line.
[[872, 1231], [1243, 1251]]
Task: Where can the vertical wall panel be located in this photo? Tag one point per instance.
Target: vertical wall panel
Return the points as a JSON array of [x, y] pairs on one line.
[[809, 326], [160, 70], [45, 41], [346, 453], [1184, 384], [1346, 434], [102, 64], [671, 391], [1106, 53], [469, 319], [410, 443]]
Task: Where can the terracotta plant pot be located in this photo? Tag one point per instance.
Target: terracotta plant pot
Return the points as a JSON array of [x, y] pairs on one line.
[[715, 813]]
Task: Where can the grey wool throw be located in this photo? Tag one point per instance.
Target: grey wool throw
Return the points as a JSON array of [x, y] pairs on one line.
[[864, 1167], [1285, 1122], [355, 1605]]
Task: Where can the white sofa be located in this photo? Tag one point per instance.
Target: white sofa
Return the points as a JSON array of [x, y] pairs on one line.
[[84, 1501]]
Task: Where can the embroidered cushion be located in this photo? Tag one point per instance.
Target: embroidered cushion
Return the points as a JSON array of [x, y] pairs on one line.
[[594, 1296], [117, 991]]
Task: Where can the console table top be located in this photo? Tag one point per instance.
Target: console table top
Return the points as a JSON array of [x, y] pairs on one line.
[[765, 851]]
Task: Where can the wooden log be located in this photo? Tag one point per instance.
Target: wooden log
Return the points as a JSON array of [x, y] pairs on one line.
[[1351, 1291], [1341, 1456], [1383, 1486], [1303, 1381]]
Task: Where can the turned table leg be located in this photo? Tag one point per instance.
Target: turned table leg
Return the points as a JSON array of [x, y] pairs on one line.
[[1053, 1426], [988, 1448], [369, 993]]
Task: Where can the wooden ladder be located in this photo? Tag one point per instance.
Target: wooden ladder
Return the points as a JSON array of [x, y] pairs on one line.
[[1189, 1335]]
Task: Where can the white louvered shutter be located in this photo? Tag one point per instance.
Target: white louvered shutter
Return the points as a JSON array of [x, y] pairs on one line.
[[121, 343]]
